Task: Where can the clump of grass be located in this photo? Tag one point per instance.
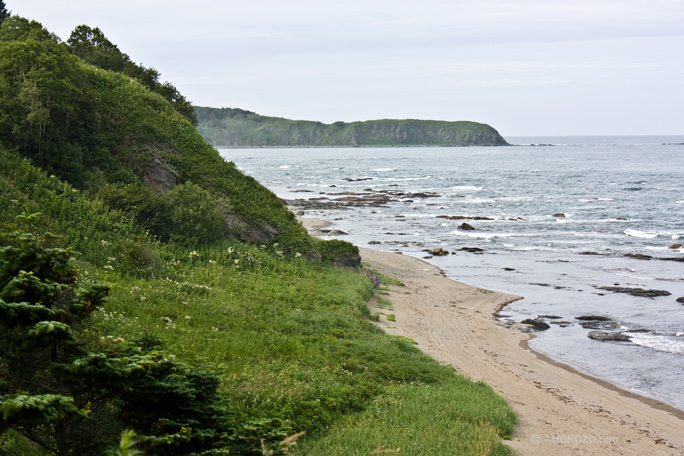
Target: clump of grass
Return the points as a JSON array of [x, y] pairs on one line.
[[407, 339], [391, 317], [383, 303]]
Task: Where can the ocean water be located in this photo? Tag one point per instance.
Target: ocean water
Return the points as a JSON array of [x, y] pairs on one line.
[[618, 196]]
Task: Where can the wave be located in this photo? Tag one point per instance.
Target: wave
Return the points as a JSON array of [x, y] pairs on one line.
[[478, 200], [383, 170], [286, 166], [668, 343], [466, 188], [640, 234]]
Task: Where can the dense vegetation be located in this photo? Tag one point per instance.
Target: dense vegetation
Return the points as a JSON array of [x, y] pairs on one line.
[[228, 127], [153, 294]]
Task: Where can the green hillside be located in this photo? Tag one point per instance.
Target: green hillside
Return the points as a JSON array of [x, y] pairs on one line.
[[227, 127], [155, 300]]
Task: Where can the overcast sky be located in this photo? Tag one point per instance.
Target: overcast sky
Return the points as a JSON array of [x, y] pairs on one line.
[[526, 67]]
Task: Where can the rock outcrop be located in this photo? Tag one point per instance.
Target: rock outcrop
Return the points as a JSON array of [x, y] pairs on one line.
[[604, 336]]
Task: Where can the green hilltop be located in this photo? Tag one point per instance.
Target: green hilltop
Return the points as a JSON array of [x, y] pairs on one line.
[[155, 300], [230, 127]]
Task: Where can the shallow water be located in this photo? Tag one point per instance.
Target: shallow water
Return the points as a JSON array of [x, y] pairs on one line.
[[617, 195]]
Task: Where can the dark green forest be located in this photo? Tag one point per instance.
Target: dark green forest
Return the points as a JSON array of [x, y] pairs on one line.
[[155, 300], [231, 127]]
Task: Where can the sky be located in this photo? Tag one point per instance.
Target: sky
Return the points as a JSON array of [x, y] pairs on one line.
[[525, 67]]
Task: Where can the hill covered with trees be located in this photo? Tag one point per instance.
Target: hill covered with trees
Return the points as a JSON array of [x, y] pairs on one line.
[[229, 127], [155, 300]]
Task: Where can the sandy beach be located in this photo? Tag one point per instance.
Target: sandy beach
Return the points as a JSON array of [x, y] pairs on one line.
[[560, 410]]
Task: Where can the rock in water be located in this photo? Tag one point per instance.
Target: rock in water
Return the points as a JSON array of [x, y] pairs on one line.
[[536, 323], [604, 336], [438, 251], [466, 227], [641, 292]]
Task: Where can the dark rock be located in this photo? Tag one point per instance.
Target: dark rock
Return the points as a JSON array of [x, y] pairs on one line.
[[681, 300], [592, 318], [593, 324], [536, 323], [374, 242], [438, 251], [675, 246], [509, 269], [160, 177], [639, 256], [376, 280], [472, 249], [609, 336], [352, 261], [562, 323], [559, 215], [463, 217], [466, 227], [641, 292], [680, 259], [589, 253], [550, 317]]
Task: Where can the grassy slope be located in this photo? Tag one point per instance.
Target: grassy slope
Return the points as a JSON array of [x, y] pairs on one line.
[[235, 127], [290, 338]]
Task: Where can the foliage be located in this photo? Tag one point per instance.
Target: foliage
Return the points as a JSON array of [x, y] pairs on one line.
[[61, 386], [228, 127], [51, 387], [92, 127], [126, 445], [259, 341], [409, 419], [4, 14], [93, 46]]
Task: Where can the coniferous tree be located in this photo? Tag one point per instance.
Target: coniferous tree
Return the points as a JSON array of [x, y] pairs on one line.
[[4, 14], [52, 390]]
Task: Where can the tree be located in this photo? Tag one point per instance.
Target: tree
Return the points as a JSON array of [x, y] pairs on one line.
[[72, 393], [92, 45], [4, 14], [53, 390]]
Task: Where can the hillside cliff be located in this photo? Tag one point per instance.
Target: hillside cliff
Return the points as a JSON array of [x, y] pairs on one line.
[[228, 127], [127, 144]]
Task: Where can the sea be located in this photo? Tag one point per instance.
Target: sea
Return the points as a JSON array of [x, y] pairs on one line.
[[555, 219]]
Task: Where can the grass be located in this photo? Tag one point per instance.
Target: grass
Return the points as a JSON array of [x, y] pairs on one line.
[[289, 339], [383, 303], [456, 417], [292, 340]]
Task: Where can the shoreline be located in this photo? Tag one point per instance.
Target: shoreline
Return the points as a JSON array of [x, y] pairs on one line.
[[560, 409]]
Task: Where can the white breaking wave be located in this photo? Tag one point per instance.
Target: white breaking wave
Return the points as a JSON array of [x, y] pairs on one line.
[[384, 170], [285, 167], [640, 234], [663, 343], [478, 200], [466, 188], [475, 235]]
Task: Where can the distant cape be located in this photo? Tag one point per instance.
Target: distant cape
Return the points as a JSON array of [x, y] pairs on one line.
[[231, 127]]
